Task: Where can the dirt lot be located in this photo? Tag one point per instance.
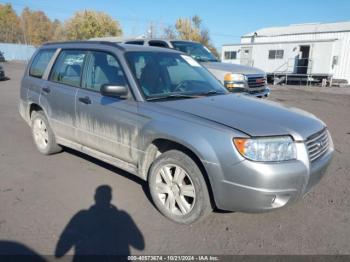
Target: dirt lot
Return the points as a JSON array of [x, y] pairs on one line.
[[39, 195]]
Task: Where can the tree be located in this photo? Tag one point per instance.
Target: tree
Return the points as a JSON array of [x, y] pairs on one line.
[[10, 27], [191, 29], [58, 31], [88, 24], [37, 27]]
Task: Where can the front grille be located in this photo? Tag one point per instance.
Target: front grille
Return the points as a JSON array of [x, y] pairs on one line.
[[256, 81], [317, 144]]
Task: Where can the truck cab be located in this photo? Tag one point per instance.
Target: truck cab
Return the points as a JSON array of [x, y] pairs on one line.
[[236, 78]]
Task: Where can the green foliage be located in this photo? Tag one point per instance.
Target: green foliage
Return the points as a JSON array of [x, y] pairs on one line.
[[10, 27], [37, 27], [88, 24]]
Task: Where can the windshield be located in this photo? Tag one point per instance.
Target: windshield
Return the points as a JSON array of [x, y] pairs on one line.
[[165, 75], [196, 50]]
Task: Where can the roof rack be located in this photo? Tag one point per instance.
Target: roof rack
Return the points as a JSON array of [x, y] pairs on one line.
[[86, 42]]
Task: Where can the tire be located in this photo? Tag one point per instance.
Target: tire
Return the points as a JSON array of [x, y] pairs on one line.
[[178, 188], [43, 137]]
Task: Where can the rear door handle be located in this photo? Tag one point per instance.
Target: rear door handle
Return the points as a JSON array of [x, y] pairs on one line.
[[46, 90], [85, 100]]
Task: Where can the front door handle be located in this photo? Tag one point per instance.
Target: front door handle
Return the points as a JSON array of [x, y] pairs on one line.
[[85, 100], [46, 89]]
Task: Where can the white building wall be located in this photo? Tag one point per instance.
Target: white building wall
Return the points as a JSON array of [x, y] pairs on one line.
[[322, 53], [261, 57]]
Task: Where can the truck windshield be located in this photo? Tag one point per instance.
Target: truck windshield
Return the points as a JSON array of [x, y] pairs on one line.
[[196, 50], [171, 76]]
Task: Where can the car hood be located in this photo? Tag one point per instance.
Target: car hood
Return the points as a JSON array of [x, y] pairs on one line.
[[233, 68], [255, 117]]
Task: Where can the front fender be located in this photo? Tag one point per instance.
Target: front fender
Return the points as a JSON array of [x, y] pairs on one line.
[[212, 145]]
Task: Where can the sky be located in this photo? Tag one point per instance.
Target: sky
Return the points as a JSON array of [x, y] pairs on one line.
[[226, 20]]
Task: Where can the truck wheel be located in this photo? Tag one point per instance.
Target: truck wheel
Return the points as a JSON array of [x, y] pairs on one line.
[[178, 188], [43, 137]]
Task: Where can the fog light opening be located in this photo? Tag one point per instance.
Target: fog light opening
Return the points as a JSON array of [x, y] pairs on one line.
[[280, 200], [273, 199]]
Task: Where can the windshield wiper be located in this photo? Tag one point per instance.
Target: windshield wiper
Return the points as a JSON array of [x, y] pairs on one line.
[[202, 59], [171, 96], [210, 93]]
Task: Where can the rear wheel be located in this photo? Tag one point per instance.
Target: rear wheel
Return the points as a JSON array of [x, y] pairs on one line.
[[178, 188], [43, 136]]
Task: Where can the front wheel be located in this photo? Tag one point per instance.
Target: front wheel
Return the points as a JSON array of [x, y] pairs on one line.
[[178, 188]]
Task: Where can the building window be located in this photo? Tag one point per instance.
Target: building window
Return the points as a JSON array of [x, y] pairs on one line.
[[230, 55], [276, 54]]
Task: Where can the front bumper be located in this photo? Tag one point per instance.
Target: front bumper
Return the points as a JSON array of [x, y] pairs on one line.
[[256, 93], [258, 187], [260, 94]]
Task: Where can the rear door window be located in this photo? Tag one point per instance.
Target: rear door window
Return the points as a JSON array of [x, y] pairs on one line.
[[40, 62], [68, 67]]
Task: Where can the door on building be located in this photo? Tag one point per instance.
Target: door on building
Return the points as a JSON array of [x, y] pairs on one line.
[[303, 59], [246, 56]]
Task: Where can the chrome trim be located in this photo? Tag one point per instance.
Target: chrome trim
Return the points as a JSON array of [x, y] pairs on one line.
[[317, 144]]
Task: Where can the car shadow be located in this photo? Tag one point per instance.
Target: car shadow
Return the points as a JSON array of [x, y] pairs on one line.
[[113, 169], [127, 175], [102, 230]]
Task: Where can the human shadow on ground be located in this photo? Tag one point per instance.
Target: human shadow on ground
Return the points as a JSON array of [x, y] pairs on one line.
[[102, 230]]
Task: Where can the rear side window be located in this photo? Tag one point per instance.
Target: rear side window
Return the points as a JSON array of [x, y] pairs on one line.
[[68, 67], [157, 43], [135, 42], [40, 63]]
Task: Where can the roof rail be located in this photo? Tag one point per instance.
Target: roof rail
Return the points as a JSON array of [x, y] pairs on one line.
[[86, 42]]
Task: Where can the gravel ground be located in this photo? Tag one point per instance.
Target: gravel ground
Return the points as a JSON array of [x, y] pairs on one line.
[[39, 195]]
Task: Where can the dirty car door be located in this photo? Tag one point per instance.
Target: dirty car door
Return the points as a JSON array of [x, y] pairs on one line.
[[106, 124], [60, 91]]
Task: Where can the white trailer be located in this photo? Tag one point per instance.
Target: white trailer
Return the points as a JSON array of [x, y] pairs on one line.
[[308, 52]]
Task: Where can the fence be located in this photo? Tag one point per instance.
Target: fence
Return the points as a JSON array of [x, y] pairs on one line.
[[17, 51]]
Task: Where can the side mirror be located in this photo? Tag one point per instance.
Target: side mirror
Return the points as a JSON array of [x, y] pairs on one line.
[[114, 91]]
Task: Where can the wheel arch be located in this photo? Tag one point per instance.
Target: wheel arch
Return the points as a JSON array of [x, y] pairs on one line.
[[34, 107], [161, 145]]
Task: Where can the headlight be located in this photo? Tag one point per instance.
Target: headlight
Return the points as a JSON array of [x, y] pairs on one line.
[[266, 149], [234, 80], [234, 77]]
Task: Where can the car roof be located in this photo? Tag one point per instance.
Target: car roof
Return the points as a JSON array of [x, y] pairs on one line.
[[118, 39], [121, 47], [158, 39]]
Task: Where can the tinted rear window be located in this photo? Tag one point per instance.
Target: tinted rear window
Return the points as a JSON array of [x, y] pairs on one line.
[[134, 42], [68, 67], [157, 43], [40, 63]]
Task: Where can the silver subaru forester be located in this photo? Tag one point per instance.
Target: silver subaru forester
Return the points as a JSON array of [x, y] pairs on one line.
[[158, 114]]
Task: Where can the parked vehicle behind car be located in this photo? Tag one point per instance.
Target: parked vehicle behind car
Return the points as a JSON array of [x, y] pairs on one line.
[[160, 115], [2, 73], [236, 78], [2, 57]]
